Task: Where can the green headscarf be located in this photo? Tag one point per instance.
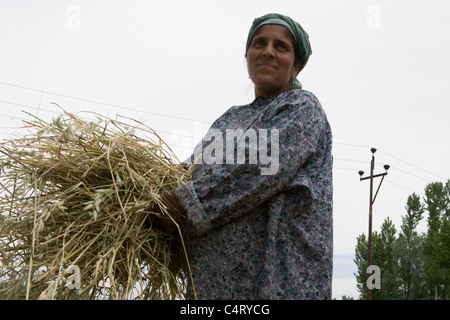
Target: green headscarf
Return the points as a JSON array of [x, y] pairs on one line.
[[301, 38]]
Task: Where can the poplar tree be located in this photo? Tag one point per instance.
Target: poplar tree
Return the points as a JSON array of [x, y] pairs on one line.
[[382, 256], [436, 249], [408, 253]]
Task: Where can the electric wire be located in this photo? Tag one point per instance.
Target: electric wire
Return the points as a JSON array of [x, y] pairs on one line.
[[40, 109]]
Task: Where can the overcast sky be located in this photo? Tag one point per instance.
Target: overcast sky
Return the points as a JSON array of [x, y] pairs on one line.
[[379, 68]]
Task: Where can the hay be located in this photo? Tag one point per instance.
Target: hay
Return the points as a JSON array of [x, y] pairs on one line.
[[75, 197]]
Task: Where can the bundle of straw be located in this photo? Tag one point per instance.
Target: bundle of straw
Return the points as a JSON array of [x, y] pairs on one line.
[[75, 198]]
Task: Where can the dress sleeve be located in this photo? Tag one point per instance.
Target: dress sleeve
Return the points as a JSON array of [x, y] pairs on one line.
[[225, 192]]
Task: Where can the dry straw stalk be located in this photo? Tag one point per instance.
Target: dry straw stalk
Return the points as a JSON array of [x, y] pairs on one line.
[[78, 193]]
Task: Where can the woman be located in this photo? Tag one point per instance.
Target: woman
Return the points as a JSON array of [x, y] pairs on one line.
[[255, 236]]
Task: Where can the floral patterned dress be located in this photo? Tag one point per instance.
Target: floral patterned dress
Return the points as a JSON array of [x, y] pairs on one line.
[[264, 236]]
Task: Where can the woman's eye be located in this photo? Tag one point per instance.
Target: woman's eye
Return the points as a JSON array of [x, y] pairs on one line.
[[258, 42], [282, 46]]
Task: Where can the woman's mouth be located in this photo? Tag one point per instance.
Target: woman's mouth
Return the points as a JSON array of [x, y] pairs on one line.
[[266, 65]]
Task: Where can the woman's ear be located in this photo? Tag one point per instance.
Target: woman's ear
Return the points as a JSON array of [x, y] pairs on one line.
[[295, 72], [297, 69]]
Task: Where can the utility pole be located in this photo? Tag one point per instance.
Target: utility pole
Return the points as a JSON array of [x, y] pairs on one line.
[[371, 201]]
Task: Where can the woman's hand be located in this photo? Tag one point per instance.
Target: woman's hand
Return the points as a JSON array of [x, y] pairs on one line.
[[174, 210]]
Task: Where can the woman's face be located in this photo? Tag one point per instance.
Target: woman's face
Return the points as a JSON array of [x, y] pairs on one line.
[[270, 60]]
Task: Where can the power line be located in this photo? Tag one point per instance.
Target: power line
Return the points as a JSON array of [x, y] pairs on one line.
[[98, 102], [25, 106], [52, 111], [350, 160], [340, 168], [187, 119], [193, 137], [387, 180], [170, 116], [412, 165], [392, 156], [411, 174], [392, 167], [352, 145], [402, 186], [189, 136]]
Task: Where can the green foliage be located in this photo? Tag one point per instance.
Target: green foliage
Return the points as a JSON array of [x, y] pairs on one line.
[[436, 247], [382, 251], [413, 266], [361, 261]]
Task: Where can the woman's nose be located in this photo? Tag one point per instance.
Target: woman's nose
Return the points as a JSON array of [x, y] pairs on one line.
[[268, 51]]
